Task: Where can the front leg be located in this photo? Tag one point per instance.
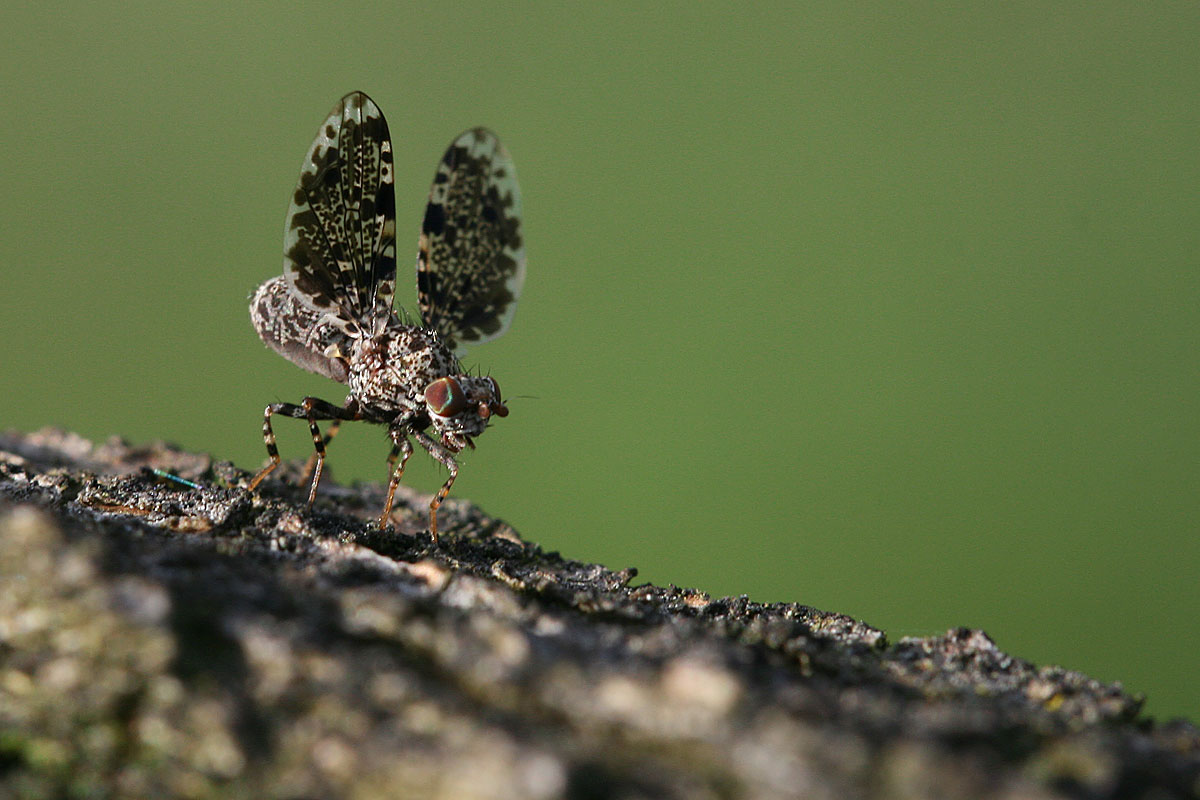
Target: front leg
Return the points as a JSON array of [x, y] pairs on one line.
[[311, 409], [444, 455], [403, 449]]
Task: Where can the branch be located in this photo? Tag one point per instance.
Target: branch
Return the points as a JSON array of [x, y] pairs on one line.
[[158, 639]]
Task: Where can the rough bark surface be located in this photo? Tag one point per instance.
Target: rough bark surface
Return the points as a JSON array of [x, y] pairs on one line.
[[162, 640]]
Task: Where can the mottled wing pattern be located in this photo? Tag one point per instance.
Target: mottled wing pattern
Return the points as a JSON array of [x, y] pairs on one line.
[[339, 245], [471, 257]]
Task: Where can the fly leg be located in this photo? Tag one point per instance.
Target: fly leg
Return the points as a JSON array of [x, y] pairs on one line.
[[311, 409], [319, 450], [402, 449], [309, 465], [442, 454]]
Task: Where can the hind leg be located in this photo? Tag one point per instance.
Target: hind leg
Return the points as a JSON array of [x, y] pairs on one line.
[[312, 409], [311, 464]]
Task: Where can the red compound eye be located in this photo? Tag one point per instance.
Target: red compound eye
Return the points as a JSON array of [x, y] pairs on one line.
[[445, 397]]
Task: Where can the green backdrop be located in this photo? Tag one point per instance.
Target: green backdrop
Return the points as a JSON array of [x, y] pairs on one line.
[[887, 309]]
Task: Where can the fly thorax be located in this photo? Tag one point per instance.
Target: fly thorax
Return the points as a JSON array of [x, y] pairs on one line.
[[390, 370]]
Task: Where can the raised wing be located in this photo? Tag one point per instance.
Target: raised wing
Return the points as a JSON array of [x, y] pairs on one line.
[[339, 244], [471, 257]]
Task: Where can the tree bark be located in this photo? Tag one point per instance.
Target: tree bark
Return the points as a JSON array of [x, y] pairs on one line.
[[164, 639]]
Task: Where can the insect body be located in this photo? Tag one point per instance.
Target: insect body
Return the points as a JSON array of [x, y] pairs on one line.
[[331, 310]]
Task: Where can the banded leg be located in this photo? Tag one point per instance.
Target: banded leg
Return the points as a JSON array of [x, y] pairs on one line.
[[351, 406], [330, 432], [438, 451], [402, 449], [311, 409]]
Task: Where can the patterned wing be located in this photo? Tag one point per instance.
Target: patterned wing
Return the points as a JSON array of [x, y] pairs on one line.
[[339, 244], [470, 257]]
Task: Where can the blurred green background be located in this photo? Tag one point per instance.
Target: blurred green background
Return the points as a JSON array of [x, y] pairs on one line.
[[890, 310]]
